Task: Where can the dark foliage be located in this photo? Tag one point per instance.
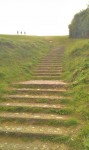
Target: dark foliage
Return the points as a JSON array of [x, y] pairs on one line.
[[79, 27]]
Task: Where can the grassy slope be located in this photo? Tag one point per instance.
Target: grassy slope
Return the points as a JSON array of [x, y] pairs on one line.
[[76, 72], [76, 66], [18, 57]]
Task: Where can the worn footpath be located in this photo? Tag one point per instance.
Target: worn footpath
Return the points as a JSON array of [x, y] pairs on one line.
[[33, 115]]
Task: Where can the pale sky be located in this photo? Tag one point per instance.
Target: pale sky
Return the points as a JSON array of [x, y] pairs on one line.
[[38, 17]]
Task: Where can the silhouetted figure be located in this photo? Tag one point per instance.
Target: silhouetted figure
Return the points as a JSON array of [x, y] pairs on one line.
[[21, 32], [17, 32], [24, 33]]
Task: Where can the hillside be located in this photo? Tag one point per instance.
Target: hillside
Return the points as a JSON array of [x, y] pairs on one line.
[[44, 88], [18, 57], [76, 66]]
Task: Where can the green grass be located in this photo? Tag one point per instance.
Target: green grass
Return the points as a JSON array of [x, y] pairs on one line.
[[42, 137], [76, 73], [41, 122], [38, 100], [18, 57], [76, 64], [13, 144], [61, 111]]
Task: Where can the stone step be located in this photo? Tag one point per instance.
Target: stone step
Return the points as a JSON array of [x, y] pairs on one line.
[[41, 119], [50, 68], [18, 143], [49, 65], [30, 130], [41, 84], [47, 74], [51, 61], [34, 116], [40, 105], [46, 68], [33, 96], [46, 77], [47, 71], [53, 58], [14, 107], [39, 91], [35, 135], [35, 100], [54, 55]]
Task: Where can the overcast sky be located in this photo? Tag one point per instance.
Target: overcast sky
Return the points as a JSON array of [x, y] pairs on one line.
[[38, 17]]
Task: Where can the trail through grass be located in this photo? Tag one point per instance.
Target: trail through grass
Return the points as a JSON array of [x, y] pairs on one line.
[[19, 57]]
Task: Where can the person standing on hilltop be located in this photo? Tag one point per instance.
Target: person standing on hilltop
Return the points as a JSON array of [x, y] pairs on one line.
[[17, 32]]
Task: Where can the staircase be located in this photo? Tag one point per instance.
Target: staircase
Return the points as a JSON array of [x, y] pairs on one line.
[[34, 115]]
